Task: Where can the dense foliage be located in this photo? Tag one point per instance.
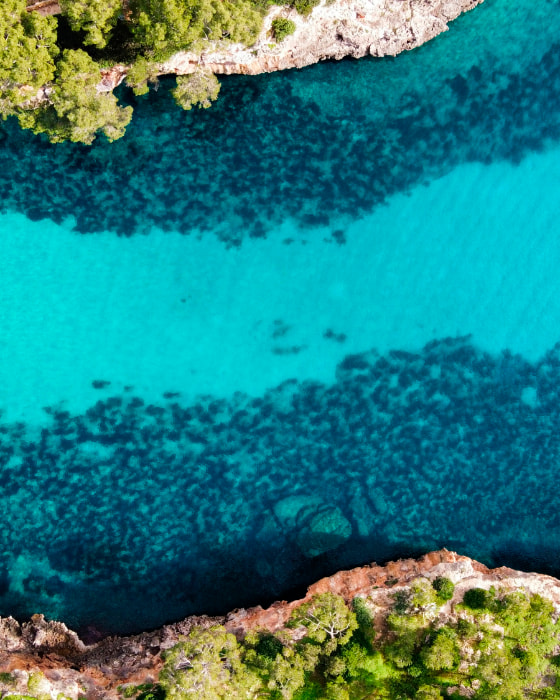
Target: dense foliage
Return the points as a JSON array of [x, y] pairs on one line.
[[76, 110], [35, 80], [198, 89], [96, 18], [27, 53], [494, 645]]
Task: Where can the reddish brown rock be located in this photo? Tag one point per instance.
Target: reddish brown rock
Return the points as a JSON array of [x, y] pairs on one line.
[[75, 669]]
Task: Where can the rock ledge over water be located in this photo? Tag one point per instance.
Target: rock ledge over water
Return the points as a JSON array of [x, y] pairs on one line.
[[334, 30], [75, 669]]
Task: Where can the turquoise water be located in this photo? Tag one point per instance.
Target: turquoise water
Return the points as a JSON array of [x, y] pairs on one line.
[[311, 327]]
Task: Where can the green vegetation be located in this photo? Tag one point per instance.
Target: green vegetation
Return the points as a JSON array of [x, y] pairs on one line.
[[444, 589], [27, 52], [52, 87], [161, 27], [282, 27], [142, 73], [494, 645], [77, 111], [145, 691], [305, 7], [198, 89], [97, 18]]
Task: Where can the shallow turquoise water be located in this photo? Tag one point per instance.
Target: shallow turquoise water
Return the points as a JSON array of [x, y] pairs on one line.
[[194, 417]]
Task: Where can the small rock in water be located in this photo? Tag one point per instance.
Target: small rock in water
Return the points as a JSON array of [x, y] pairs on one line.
[[100, 383], [325, 531]]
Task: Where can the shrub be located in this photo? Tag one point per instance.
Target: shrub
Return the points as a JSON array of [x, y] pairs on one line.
[[282, 27], [478, 599], [304, 7], [423, 595], [444, 588], [402, 602], [155, 693]]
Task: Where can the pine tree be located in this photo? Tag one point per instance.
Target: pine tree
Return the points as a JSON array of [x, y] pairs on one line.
[[77, 110], [95, 17]]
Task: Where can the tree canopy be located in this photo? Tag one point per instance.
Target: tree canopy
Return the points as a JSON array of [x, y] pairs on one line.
[[492, 646], [27, 52], [198, 89], [96, 18], [77, 110], [53, 88]]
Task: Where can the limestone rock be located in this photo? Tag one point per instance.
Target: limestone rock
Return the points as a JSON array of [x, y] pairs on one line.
[[333, 30]]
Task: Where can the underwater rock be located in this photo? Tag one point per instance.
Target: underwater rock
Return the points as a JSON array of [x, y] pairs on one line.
[[324, 531], [316, 526], [288, 510]]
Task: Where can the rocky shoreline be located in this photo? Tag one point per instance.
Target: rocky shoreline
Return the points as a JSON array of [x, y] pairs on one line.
[[334, 30], [58, 662]]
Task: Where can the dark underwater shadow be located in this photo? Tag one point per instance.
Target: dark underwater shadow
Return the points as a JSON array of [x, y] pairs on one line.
[[133, 514]]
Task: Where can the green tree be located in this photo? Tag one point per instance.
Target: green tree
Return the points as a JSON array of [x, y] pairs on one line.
[[27, 51], [287, 675], [442, 653], [444, 588], [282, 27], [140, 74], [364, 618], [77, 111], [207, 665], [328, 620], [96, 18], [163, 26], [337, 690], [197, 89], [237, 21], [334, 666]]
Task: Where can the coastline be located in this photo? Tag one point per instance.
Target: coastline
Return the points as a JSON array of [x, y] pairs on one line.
[[334, 30], [65, 664]]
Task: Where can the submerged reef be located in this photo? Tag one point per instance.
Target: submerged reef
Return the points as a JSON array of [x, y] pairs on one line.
[[132, 514], [441, 600]]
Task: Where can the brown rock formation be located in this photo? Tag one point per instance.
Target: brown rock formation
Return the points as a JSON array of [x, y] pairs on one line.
[[44, 7], [75, 669]]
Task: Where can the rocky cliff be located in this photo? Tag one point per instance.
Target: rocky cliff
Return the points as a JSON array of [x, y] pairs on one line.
[[46, 659], [335, 29]]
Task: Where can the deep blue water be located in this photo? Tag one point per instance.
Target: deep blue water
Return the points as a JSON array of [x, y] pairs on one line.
[[310, 327]]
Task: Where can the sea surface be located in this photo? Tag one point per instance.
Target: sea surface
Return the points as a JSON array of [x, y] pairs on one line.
[[314, 326]]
